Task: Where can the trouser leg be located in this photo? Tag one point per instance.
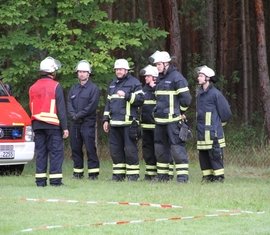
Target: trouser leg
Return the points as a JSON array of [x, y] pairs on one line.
[[206, 166], [56, 149], [148, 151], [41, 157], [76, 143], [88, 133], [131, 156], [216, 159], [178, 153], [161, 152], [116, 143]]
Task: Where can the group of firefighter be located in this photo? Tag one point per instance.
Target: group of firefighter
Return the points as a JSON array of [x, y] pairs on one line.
[[156, 112]]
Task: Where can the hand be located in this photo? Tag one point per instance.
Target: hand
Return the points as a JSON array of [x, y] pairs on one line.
[[183, 117], [65, 134], [121, 93], [106, 126], [152, 84]]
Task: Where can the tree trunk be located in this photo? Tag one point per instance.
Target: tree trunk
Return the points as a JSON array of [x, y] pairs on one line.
[[173, 27], [150, 13], [210, 46], [245, 60], [262, 61]]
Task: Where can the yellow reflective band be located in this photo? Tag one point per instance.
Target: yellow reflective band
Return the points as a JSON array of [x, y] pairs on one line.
[[207, 172], [183, 108], [171, 173], [223, 123], [163, 165], [132, 172], [106, 113], [76, 170], [219, 172], [119, 171], [159, 171], [55, 176], [119, 123], [208, 118], [41, 175], [182, 172], [204, 147], [132, 98], [171, 166], [128, 107], [165, 120], [149, 102], [148, 126], [150, 167], [181, 166], [181, 90], [119, 165], [171, 92], [94, 170], [52, 106], [132, 167], [47, 117], [171, 100], [151, 173]]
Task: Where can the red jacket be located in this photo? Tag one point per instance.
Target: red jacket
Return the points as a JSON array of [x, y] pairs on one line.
[[42, 101]]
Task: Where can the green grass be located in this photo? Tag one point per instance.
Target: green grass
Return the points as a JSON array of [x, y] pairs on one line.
[[244, 189]]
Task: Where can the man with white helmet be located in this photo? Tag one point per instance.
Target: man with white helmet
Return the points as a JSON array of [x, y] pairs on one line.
[[49, 122], [120, 120], [172, 100], [82, 104], [213, 111], [150, 73]]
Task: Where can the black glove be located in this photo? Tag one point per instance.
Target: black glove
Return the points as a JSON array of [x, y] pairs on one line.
[[216, 152], [185, 133], [134, 130]]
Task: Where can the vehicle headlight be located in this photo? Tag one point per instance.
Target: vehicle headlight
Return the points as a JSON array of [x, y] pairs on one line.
[[29, 134]]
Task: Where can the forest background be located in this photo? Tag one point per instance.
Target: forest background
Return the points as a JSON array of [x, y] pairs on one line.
[[232, 37]]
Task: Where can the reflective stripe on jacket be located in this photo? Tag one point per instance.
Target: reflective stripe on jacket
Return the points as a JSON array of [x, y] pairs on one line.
[[149, 104], [172, 95], [120, 111], [213, 111]]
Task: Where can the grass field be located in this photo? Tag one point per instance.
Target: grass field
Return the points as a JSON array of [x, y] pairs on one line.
[[233, 207]]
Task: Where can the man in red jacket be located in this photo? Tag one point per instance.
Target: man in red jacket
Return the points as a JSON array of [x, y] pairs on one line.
[[49, 122]]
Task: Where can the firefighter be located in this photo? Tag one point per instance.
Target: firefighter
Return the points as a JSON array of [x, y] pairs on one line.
[[82, 104], [49, 122], [213, 111], [150, 74], [172, 100], [120, 119]]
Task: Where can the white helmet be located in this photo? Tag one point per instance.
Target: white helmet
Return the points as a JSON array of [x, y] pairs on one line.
[[83, 65], [49, 65], [208, 72], [149, 70], [160, 56], [121, 64]]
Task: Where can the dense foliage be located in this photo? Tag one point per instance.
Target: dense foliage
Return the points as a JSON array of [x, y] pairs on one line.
[[69, 30]]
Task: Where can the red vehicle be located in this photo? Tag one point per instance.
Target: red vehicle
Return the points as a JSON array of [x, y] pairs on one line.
[[16, 135]]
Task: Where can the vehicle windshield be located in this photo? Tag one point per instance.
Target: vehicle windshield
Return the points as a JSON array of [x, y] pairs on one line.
[[3, 91]]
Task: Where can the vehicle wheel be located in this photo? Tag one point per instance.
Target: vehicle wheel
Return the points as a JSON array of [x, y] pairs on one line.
[[11, 170]]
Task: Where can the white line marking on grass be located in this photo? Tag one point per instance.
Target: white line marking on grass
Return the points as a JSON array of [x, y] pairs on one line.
[[122, 222], [96, 202]]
